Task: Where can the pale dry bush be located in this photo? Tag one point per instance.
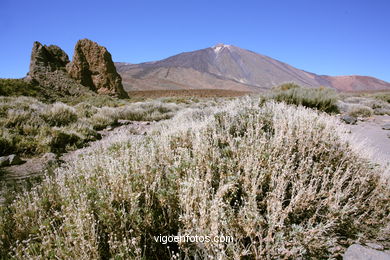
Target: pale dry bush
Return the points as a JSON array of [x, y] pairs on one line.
[[366, 105], [284, 181], [59, 114]]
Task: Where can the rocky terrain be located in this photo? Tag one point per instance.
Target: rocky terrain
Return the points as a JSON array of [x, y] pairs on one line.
[[229, 67]]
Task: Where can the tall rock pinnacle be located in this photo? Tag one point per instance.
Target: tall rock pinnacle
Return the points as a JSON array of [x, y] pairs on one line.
[[92, 66]]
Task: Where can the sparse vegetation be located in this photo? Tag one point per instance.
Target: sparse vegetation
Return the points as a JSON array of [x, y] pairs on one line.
[[285, 181], [30, 127], [187, 93], [365, 104], [18, 87], [323, 99]]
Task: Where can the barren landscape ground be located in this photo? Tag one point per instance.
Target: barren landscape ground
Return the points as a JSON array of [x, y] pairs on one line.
[[285, 163]]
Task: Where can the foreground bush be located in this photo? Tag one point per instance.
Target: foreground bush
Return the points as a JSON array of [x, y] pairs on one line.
[[286, 182], [323, 99]]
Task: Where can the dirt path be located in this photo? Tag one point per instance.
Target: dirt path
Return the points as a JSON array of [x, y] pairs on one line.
[[371, 132]]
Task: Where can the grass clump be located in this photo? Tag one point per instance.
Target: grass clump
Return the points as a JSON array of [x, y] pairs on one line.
[[323, 99], [285, 181]]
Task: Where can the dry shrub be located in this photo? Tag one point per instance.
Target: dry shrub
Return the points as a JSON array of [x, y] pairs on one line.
[[360, 111], [59, 114], [285, 181], [323, 99]]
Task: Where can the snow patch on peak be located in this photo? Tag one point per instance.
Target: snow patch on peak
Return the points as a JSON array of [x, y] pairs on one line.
[[218, 47]]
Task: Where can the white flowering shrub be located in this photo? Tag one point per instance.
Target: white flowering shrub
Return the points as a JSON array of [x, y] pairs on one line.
[[286, 182]]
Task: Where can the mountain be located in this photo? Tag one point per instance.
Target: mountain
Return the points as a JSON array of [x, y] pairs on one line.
[[229, 67]]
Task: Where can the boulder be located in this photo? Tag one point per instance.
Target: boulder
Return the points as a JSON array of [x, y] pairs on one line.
[[349, 119], [386, 127], [14, 159], [10, 160], [358, 252], [92, 66], [4, 161]]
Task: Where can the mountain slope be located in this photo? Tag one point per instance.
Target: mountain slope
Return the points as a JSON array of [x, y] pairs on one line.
[[356, 83], [230, 67]]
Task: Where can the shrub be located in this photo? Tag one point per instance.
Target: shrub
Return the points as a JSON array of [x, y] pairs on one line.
[[104, 117], [285, 181], [286, 86], [62, 141], [18, 87], [16, 118], [318, 98], [367, 104], [360, 111], [59, 114], [382, 96]]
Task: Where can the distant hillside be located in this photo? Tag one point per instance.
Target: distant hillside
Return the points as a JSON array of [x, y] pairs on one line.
[[230, 67]]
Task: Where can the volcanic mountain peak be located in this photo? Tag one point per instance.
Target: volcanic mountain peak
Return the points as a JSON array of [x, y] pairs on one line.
[[218, 47], [229, 67]]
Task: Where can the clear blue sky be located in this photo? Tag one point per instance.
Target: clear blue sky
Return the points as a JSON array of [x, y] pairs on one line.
[[326, 37]]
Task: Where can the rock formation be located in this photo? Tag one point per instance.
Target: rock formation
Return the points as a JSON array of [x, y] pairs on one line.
[[92, 66], [48, 70], [92, 70], [47, 58]]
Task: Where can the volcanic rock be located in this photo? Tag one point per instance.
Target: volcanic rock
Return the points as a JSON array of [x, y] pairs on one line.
[[349, 119], [48, 70], [358, 252], [92, 66]]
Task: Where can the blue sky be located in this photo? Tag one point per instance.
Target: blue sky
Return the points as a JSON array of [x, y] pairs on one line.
[[331, 37]]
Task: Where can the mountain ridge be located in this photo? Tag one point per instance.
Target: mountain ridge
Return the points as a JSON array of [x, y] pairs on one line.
[[225, 66]]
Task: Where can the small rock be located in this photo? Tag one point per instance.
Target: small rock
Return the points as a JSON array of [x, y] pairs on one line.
[[4, 161], [124, 122], [386, 127], [358, 252], [349, 119], [380, 111], [50, 156], [14, 159], [375, 246]]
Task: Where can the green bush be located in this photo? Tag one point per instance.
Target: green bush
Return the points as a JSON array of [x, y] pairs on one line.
[[18, 87], [323, 99]]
